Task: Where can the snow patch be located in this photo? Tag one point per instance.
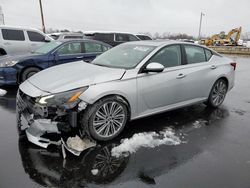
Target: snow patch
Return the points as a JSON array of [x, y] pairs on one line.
[[2, 92], [150, 140]]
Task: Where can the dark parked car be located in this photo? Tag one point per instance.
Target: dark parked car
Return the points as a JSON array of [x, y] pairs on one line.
[[16, 69], [112, 38]]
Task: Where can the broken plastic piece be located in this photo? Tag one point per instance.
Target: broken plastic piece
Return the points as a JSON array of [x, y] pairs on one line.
[[39, 128], [82, 105], [94, 172], [76, 145]]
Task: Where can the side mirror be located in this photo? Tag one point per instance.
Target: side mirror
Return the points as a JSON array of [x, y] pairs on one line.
[[154, 67], [47, 39]]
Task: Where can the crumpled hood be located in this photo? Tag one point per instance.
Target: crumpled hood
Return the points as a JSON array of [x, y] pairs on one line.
[[73, 75]]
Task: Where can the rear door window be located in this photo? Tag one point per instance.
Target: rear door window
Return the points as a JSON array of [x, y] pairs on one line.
[[132, 37], [209, 54], [35, 36], [119, 37], [104, 36], [169, 56], [70, 49], [91, 47], [12, 34], [105, 48], [195, 54]]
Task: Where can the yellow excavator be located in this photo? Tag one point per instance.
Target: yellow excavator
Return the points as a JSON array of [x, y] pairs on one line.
[[231, 39]]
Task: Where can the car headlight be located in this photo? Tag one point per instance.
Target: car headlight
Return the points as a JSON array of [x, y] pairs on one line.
[[66, 99], [8, 63]]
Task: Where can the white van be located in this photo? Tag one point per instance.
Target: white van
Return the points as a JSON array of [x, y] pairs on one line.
[[19, 40]]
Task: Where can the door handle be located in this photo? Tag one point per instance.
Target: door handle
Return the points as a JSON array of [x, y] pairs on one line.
[[79, 57], [181, 76], [213, 67], [6, 43]]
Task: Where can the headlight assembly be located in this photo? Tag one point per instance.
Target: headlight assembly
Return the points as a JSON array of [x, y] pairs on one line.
[[66, 99], [8, 63]]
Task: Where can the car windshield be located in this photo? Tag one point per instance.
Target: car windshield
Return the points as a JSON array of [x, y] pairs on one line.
[[47, 47], [124, 56]]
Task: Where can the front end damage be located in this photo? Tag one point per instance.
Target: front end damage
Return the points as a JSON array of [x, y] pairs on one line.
[[39, 120]]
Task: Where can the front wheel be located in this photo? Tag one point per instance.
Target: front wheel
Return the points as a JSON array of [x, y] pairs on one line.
[[27, 73], [217, 93], [105, 119]]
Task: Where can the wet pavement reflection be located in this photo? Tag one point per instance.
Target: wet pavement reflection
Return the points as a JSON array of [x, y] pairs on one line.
[[214, 151]]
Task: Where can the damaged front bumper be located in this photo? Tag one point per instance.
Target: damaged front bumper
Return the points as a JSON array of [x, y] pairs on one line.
[[37, 120], [39, 128]]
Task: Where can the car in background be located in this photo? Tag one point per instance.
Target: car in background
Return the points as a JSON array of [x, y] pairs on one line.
[[143, 37], [19, 40], [16, 69], [130, 81], [66, 35], [112, 38]]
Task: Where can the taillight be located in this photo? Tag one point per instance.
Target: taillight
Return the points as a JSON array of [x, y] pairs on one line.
[[233, 65]]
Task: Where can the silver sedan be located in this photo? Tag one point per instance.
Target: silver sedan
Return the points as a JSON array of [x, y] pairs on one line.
[[130, 81]]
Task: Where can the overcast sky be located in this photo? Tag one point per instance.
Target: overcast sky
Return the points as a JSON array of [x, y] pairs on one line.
[[174, 16]]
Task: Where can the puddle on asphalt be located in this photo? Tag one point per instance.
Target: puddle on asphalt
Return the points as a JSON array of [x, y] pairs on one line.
[[100, 164], [239, 111]]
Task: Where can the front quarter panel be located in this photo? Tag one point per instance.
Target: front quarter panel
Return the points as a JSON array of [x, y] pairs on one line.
[[126, 87]]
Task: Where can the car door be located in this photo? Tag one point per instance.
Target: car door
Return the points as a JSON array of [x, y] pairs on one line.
[[35, 39], [69, 52], [92, 50], [198, 73], [156, 91], [14, 41]]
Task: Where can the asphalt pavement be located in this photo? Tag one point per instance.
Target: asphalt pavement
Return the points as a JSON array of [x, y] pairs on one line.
[[214, 153]]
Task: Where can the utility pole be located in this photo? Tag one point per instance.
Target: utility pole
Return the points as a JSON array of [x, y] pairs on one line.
[[2, 15], [41, 9], [199, 36]]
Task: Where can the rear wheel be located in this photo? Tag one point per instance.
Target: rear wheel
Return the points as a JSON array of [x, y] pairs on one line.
[[2, 52], [105, 119], [27, 73], [217, 93]]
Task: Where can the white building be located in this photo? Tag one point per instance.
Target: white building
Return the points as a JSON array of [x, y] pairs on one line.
[[1, 16]]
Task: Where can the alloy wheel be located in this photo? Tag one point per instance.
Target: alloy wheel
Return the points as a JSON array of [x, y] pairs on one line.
[[109, 119], [219, 93]]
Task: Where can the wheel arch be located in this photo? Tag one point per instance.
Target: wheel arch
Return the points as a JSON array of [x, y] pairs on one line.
[[119, 97], [25, 68], [225, 79], [2, 51]]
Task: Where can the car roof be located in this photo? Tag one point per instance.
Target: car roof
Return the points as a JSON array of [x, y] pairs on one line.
[[66, 33], [82, 40], [107, 32], [155, 42], [161, 42], [17, 27]]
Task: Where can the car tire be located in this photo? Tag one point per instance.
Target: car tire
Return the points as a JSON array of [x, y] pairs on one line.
[[27, 73], [217, 93], [2, 52], [101, 125]]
